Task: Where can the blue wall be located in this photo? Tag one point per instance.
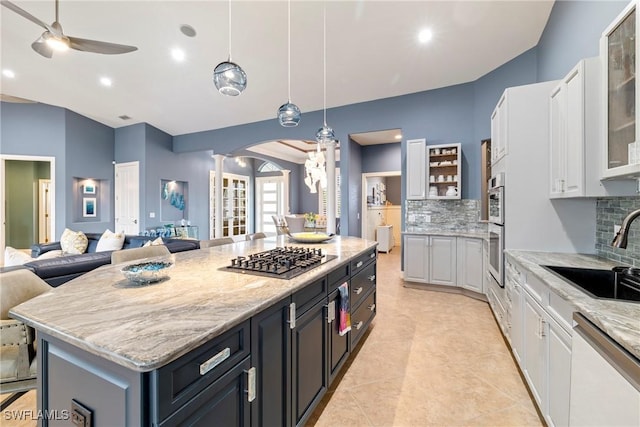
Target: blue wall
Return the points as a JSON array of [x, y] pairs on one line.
[[381, 158], [454, 114]]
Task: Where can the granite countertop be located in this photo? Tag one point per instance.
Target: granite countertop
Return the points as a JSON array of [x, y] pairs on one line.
[[146, 327], [618, 319]]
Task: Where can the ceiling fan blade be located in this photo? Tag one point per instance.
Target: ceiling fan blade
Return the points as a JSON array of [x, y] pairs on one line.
[[96, 46], [42, 47], [26, 14]]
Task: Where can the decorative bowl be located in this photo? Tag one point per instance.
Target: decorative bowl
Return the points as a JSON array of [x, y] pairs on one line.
[[147, 272], [310, 237]]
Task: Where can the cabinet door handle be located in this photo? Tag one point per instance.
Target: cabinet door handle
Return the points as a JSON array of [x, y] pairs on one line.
[[542, 323], [215, 361], [359, 264], [372, 255], [359, 324], [372, 307], [251, 384], [372, 277], [358, 291], [292, 315], [331, 311]]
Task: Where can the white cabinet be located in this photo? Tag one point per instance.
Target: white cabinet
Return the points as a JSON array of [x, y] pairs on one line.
[[416, 169], [470, 264], [430, 259], [384, 237], [576, 154], [534, 347], [618, 51], [517, 323], [444, 171], [559, 374], [600, 393], [416, 256], [499, 130]]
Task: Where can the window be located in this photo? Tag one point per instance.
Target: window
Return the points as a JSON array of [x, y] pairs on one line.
[[322, 197], [268, 167]]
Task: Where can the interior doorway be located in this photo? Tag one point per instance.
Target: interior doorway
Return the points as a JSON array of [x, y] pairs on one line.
[[20, 221], [381, 204]]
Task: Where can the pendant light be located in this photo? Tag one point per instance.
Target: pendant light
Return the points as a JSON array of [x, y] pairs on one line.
[[325, 133], [289, 113], [229, 78]]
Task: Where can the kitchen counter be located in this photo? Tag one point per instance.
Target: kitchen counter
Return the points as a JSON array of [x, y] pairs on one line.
[[618, 319], [146, 327]]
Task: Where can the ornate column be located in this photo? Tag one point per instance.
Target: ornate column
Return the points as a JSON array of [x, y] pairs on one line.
[[217, 233], [331, 186], [285, 199]]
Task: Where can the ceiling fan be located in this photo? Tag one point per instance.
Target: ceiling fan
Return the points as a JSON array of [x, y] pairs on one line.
[[53, 39]]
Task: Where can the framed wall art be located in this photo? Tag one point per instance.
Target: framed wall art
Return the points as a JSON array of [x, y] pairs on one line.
[[89, 207]]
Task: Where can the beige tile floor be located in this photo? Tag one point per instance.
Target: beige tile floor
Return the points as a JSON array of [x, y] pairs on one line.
[[429, 359]]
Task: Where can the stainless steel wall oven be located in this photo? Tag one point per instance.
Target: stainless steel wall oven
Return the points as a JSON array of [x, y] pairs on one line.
[[496, 228]]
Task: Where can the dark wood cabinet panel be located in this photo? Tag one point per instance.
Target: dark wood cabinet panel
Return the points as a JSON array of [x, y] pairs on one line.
[[338, 346]]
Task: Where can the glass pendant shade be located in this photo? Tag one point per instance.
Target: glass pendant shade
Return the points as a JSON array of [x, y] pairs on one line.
[[325, 134], [229, 78], [289, 115]]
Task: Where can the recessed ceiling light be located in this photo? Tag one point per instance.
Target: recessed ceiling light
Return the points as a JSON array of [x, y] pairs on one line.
[[425, 35], [178, 54], [8, 73], [398, 136], [188, 30], [106, 81]]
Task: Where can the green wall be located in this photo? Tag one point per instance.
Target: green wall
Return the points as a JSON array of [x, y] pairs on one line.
[[21, 189]]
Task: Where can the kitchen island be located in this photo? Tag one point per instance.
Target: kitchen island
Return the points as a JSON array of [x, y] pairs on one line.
[[205, 344]]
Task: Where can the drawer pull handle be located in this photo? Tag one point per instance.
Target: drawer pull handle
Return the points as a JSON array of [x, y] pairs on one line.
[[251, 384], [359, 264], [358, 291], [359, 325], [215, 361], [372, 307], [372, 277], [372, 255]]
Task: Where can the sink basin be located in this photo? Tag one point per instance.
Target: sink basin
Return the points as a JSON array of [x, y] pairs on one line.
[[617, 284]]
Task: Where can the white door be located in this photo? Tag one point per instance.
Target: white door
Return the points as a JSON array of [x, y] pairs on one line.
[[44, 210], [269, 202], [127, 197]]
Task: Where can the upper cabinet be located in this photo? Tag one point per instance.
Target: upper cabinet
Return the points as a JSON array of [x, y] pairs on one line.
[[416, 169], [444, 166], [499, 129], [618, 51]]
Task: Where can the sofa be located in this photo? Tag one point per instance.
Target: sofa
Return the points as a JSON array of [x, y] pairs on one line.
[[59, 270]]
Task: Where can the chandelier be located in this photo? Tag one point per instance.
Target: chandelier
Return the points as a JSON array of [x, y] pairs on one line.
[[315, 170]]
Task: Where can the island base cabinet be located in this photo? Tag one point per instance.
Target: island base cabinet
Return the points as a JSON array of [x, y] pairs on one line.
[[270, 352], [223, 403], [338, 344], [110, 391], [309, 362]]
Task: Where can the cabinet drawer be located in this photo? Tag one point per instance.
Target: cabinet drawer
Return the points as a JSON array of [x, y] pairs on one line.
[[362, 260], [362, 283], [338, 276], [538, 289], [561, 310], [175, 384], [362, 317], [306, 298]]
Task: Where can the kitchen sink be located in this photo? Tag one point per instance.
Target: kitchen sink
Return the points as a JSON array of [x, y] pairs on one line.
[[620, 283]]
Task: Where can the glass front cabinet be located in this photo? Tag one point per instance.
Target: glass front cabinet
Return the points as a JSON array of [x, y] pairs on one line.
[[234, 205], [618, 50]]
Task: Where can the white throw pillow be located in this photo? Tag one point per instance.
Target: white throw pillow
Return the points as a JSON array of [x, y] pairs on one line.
[[51, 254], [156, 242], [13, 257], [110, 241], [73, 242]]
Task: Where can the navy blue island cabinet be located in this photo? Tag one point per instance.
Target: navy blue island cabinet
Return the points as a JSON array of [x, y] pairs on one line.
[[270, 370]]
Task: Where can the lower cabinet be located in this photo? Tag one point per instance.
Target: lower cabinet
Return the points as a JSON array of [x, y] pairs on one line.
[[338, 344], [430, 259], [470, 267], [559, 374], [533, 334]]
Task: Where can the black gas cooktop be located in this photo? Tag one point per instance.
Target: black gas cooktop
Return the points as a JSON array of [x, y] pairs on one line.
[[284, 263]]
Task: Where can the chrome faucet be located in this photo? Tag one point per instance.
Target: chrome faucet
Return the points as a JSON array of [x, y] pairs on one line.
[[620, 241]]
